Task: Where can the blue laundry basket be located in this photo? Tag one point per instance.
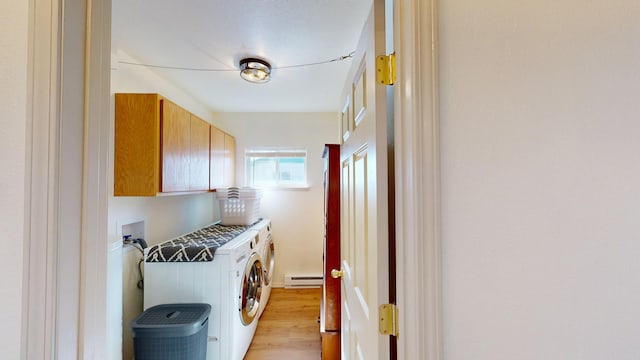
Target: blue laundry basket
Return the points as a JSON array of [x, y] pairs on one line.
[[171, 332]]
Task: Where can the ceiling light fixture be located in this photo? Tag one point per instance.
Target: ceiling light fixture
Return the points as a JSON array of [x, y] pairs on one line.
[[255, 70]]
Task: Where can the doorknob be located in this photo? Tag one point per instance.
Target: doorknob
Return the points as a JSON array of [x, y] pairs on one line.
[[336, 274]]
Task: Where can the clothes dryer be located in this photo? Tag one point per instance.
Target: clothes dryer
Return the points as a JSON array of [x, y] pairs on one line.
[[266, 249], [231, 283]]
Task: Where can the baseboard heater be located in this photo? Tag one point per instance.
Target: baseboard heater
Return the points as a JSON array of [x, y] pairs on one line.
[[302, 281]]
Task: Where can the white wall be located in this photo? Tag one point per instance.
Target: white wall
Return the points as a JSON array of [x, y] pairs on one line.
[[13, 92], [165, 217], [540, 179], [296, 215]]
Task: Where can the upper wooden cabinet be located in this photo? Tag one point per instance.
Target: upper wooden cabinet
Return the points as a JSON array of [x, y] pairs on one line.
[[222, 159], [137, 145], [175, 128], [199, 154], [216, 158], [159, 147], [229, 159]]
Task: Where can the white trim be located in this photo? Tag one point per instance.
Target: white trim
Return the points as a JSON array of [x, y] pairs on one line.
[[41, 223], [94, 329], [68, 186], [417, 181], [66, 190]]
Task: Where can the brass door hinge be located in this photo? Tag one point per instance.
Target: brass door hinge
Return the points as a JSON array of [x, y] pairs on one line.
[[386, 69], [388, 319]]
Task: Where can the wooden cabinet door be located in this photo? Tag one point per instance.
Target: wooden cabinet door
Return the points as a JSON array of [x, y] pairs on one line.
[[137, 145], [229, 159], [216, 165], [176, 132], [199, 154]]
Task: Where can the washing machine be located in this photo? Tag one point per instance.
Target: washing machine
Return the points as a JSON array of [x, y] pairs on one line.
[[231, 283], [266, 249]]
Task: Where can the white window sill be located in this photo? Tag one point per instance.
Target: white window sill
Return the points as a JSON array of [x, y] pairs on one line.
[[285, 187]]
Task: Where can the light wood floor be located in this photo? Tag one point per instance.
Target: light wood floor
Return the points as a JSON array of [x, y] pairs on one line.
[[288, 328]]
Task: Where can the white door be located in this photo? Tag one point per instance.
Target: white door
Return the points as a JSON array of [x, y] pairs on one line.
[[364, 191]]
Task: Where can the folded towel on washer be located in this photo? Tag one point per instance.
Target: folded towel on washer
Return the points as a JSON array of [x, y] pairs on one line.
[[199, 245]]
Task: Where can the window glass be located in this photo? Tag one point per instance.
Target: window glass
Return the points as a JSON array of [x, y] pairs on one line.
[[276, 168]]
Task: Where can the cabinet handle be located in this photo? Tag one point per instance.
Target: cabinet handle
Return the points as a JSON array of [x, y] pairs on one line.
[[336, 274]]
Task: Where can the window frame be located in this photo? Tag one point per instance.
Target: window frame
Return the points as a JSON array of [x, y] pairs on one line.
[[252, 154]]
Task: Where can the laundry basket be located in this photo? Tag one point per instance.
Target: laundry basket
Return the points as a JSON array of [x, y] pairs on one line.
[[171, 331], [239, 206]]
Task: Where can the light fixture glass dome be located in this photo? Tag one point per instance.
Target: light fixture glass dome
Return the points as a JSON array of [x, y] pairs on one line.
[[255, 70]]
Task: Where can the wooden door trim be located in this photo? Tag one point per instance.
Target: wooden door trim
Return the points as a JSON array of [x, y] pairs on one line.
[[417, 138]]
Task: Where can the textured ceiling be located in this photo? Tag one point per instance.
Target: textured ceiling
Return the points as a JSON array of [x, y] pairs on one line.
[[215, 34]]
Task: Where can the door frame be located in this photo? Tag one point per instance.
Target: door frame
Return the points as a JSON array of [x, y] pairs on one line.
[[419, 289], [96, 310], [66, 197], [38, 340], [417, 176]]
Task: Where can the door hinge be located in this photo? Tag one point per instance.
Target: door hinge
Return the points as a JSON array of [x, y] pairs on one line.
[[386, 69], [388, 319]]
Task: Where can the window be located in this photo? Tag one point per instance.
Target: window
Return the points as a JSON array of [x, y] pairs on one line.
[[276, 167]]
